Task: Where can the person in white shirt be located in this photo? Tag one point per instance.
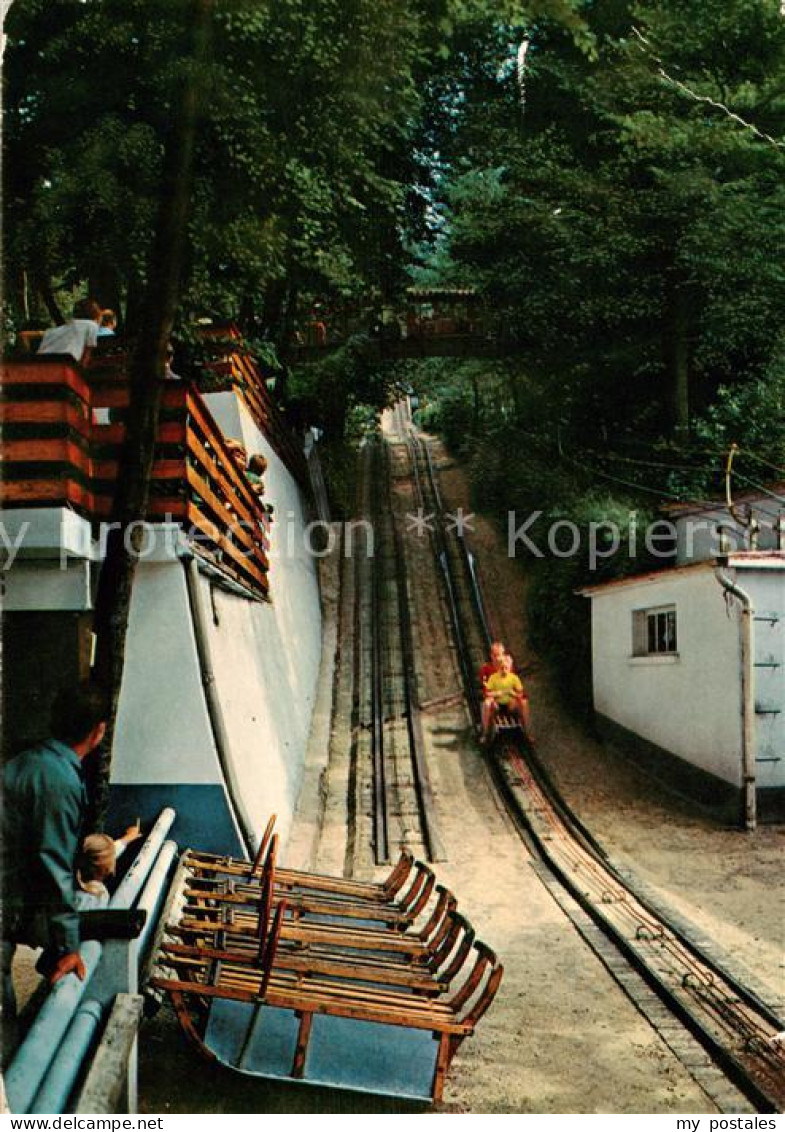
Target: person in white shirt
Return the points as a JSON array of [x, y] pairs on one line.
[[77, 337]]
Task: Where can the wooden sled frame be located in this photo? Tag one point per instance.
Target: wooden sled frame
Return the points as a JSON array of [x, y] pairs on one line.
[[385, 892], [251, 959], [212, 879]]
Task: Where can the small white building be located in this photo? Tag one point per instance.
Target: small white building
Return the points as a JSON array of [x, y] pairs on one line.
[[676, 682]]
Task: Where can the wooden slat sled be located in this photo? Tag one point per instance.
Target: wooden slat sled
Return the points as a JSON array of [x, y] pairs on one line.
[[277, 974]]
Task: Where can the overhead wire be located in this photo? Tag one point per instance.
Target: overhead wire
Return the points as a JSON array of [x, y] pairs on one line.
[[659, 492], [663, 493], [760, 487], [765, 462], [691, 467]]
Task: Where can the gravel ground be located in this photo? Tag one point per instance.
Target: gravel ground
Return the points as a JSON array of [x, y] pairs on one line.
[[723, 879], [561, 1035]]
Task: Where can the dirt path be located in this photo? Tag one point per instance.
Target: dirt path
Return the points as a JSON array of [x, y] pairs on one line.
[[561, 1036], [724, 880]]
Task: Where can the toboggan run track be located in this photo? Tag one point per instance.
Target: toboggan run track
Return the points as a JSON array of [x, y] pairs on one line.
[[732, 1023]]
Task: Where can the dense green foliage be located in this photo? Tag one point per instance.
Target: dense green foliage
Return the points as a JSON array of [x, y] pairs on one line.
[[623, 212], [616, 193], [304, 162], [308, 172]]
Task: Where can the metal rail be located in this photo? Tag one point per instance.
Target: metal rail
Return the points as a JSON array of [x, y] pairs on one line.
[[390, 676], [422, 781], [381, 803], [430, 501], [731, 1022]]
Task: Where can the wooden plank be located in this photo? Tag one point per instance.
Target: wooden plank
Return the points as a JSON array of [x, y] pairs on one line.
[[342, 966], [378, 997], [250, 383], [243, 950], [162, 470], [236, 552], [357, 890], [303, 1036], [30, 339], [43, 373], [62, 450], [249, 509], [316, 1004], [25, 493], [213, 862], [212, 433], [442, 1065], [171, 508], [310, 905], [246, 567], [110, 397], [220, 514], [106, 1079], [46, 412], [308, 932], [169, 432]]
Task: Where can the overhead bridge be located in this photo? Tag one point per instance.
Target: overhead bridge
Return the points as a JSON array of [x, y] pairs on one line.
[[427, 322], [411, 347]]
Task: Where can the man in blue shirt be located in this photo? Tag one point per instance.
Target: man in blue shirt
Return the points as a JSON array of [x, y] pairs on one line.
[[43, 809]]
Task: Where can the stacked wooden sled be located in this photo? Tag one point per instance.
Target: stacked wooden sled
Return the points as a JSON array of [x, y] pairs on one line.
[[294, 975]]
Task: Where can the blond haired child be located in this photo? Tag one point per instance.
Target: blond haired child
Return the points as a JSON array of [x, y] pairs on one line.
[[97, 862]]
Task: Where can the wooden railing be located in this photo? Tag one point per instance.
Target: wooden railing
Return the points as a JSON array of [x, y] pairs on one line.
[[63, 432], [238, 368]]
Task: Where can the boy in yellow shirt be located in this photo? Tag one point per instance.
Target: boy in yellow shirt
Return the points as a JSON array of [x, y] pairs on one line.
[[504, 692]]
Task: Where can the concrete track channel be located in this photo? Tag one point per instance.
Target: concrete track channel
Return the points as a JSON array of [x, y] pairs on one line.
[[693, 1003], [391, 794]]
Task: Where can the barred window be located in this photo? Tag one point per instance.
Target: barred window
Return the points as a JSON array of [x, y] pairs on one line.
[[654, 631]]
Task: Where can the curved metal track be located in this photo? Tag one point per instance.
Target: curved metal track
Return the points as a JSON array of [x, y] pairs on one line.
[[733, 1024]]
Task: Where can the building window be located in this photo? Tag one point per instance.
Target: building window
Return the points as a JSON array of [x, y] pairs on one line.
[[654, 631]]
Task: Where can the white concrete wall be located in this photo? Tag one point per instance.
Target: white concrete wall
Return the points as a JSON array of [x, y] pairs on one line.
[[689, 704], [766, 587], [42, 584], [265, 659], [164, 750], [267, 656], [163, 732]]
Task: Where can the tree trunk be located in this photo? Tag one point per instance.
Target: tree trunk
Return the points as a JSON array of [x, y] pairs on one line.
[[288, 318], [104, 284], [146, 369], [44, 288], [134, 304], [678, 359], [475, 402], [18, 289], [273, 309]]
